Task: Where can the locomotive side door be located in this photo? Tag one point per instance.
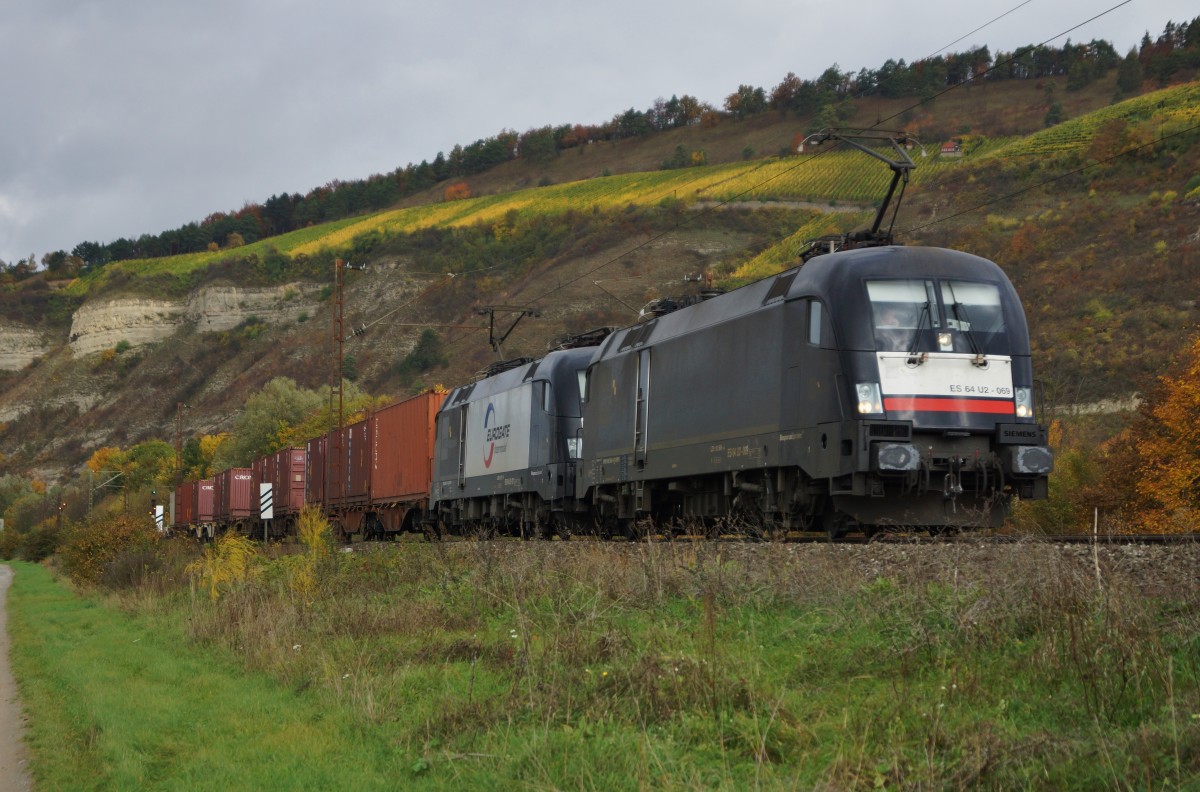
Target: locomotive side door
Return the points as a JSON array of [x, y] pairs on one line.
[[462, 446], [641, 408]]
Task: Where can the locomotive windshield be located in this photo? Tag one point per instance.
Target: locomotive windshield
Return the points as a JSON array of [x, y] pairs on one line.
[[909, 315]]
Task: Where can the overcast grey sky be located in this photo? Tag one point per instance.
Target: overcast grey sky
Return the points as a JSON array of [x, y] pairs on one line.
[[126, 117]]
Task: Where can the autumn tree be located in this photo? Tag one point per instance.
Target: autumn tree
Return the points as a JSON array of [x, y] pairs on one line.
[[199, 453], [147, 464], [457, 191], [150, 464], [1168, 449], [745, 101]]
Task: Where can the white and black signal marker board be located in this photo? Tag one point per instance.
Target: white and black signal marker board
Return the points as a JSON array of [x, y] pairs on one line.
[[266, 502]]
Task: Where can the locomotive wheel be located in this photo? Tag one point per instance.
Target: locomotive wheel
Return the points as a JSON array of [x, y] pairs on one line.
[[607, 527], [834, 523], [553, 528]]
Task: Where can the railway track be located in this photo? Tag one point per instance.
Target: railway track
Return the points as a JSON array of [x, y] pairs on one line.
[[885, 538]]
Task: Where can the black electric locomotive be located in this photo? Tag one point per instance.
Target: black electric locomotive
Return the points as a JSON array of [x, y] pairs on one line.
[[881, 386]]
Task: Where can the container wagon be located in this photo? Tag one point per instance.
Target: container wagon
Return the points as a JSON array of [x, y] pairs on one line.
[[235, 500], [285, 471]]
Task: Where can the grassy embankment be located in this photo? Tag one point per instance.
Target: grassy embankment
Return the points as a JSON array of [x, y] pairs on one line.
[[116, 703], [597, 665]]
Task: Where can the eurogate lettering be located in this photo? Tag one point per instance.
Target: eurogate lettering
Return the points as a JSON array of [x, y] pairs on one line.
[[493, 434]]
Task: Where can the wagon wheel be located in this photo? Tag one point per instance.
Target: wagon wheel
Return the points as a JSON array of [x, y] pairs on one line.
[[712, 529], [834, 523]]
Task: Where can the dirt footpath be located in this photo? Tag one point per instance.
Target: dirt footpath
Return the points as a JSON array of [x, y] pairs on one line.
[[14, 773]]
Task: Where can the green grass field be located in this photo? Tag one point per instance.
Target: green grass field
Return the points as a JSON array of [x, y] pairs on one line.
[[615, 666], [119, 704]]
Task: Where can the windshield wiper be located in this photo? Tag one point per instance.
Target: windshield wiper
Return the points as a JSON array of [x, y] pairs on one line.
[[960, 314], [913, 358]]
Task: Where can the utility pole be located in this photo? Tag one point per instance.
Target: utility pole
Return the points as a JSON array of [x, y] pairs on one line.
[[333, 447], [179, 442]]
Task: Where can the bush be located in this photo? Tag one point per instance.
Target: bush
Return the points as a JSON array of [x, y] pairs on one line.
[[89, 547], [9, 541], [130, 569], [39, 544]]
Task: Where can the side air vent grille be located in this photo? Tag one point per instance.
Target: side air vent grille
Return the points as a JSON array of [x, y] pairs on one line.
[[637, 336], [780, 287]]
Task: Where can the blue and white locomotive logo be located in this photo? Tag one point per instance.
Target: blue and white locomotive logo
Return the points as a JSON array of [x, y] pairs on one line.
[[493, 434]]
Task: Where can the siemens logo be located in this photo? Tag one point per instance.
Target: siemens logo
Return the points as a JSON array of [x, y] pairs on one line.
[[1015, 434]]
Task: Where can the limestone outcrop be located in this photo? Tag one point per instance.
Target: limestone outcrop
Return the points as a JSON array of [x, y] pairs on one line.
[[100, 325], [20, 346]]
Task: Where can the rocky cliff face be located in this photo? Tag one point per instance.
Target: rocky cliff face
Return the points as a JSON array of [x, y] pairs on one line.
[[97, 326], [20, 346]]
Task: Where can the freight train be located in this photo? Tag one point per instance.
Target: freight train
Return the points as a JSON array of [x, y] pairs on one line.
[[883, 386]]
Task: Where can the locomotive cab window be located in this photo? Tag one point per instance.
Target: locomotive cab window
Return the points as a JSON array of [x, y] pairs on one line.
[[814, 322], [900, 309], [973, 306], [914, 315]]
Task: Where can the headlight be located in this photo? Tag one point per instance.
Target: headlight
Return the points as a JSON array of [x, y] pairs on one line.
[[1024, 399], [869, 400], [945, 342]]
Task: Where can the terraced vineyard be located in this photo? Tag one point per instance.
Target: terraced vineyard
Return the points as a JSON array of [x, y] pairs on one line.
[[787, 252], [1166, 111]]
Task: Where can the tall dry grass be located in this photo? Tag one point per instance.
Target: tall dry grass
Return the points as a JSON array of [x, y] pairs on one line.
[[756, 648]]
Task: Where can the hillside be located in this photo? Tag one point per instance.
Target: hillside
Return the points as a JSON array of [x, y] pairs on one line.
[[1102, 259]]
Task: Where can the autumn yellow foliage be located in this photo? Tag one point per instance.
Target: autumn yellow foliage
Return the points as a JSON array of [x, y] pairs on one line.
[[106, 458], [226, 563], [1168, 449], [303, 576]]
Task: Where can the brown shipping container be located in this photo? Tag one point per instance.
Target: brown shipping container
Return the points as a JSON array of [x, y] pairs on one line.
[[264, 470], [235, 495], [285, 472], [203, 503], [314, 485], [402, 449], [287, 481], [185, 505], [355, 474]]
